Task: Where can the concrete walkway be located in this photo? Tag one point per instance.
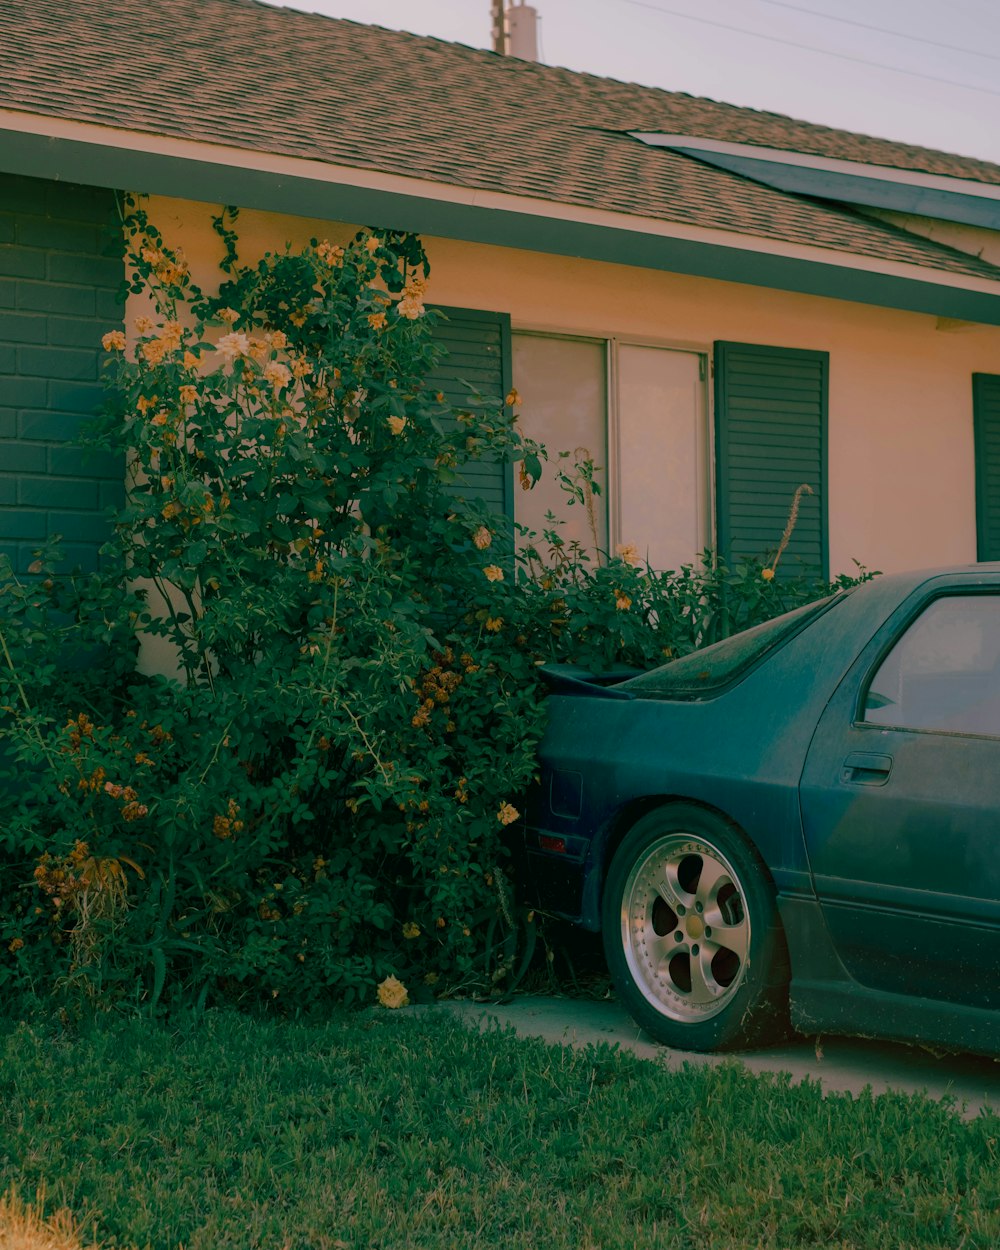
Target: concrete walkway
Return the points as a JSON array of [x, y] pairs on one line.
[[840, 1064]]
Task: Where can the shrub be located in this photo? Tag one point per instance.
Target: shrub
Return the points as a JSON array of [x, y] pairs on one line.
[[315, 799]]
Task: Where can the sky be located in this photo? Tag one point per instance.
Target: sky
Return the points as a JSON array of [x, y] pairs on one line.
[[821, 60]]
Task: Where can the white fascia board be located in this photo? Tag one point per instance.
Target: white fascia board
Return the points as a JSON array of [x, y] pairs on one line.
[[54, 148], [852, 182]]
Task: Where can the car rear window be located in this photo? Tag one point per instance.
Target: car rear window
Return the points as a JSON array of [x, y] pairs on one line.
[[708, 670]]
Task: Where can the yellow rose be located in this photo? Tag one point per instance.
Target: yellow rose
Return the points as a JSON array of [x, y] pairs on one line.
[[392, 994], [767, 574], [113, 341], [277, 374], [493, 573], [508, 814], [397, 424]]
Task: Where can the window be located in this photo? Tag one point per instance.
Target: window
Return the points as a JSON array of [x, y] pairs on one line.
[[944, 673], [639, 413], [707, 671], [564, 394]]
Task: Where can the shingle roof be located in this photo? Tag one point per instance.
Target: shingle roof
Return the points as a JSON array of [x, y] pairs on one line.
[[245, 74]]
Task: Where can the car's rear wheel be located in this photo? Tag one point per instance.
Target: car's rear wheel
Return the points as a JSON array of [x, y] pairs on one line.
[[691, 933]]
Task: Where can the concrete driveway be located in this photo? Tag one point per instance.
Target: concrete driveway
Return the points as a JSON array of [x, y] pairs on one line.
[[839, 1064]]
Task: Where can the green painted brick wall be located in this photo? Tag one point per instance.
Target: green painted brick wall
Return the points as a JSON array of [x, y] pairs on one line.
[[59, 281]]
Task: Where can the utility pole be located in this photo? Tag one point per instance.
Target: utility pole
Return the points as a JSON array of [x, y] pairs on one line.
[[499, 33]]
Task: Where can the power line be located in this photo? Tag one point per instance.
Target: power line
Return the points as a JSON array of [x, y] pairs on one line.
[[805, 47], [881, 30]]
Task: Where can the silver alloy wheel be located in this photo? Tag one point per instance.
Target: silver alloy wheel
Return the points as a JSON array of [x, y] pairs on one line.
[[685, 928]]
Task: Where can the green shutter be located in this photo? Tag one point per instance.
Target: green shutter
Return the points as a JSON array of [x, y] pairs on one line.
[[770, 438], [986, 422], [475, 376]]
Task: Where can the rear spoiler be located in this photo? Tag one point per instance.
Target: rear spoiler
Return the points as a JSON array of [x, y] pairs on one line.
[[573, 679]]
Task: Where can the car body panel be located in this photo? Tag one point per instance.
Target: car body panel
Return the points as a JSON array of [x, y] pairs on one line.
[[902, 829], [924, 929]]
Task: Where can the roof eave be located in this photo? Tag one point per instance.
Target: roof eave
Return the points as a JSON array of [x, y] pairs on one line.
[[45, 147]]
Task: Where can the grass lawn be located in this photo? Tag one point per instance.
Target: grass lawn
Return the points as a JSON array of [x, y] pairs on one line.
[[401, 1130]]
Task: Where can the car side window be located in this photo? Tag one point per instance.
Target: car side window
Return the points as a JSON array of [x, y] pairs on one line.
[[944, 672]]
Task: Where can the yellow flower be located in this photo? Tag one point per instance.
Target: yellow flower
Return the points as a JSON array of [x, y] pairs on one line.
[[767, 574], [513, 399], [508, 814], [190, 360], [171, 336], [113, 341], [297, 318], [229, 315], [629, 553], [494, 624], [493, 573], [189, 394], [143, 325], [622, 601], [15, 945], [411, 930], [392, 994], [278, 375], [154, 350], [410, 307], [377, 320], [232, 345], [329, 253], [278, 339], [373, 244], [397, 424], [482, 538]]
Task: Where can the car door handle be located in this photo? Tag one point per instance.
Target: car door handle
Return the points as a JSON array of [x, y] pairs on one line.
[[862, 769]]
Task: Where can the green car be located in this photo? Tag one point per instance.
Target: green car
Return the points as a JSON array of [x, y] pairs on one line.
[[801, 821]]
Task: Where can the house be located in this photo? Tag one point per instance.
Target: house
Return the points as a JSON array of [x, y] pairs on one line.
[[713, 304]]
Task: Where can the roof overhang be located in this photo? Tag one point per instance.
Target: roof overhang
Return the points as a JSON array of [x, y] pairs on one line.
[[848, 182], [47, 147]]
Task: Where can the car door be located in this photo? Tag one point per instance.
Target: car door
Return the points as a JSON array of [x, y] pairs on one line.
[[900, 799]]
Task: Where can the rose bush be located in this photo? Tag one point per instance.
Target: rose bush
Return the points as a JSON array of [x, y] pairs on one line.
[[314, 797], [309, 798]]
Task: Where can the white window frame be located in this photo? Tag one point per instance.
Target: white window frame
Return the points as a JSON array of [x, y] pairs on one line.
[[705, 477]]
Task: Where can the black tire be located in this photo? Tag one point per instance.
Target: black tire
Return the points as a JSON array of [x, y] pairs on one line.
[[691, 933]]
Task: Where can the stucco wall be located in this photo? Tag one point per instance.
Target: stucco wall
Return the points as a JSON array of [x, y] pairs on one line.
[[901, 469]]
